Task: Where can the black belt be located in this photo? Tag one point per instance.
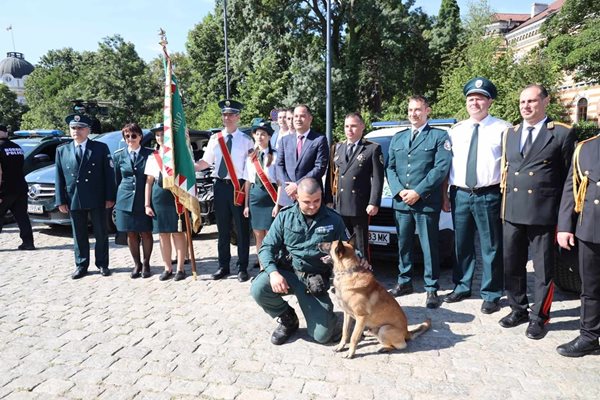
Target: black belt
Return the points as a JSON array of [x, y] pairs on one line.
[[230, 182], [479, 190]]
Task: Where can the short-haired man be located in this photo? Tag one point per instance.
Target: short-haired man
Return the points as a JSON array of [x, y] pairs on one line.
[[356, 181], [475, 196], [537, 157], [85, 187], [229, 177], [13, 188], [302, 155], [295, 234], [418, 164]]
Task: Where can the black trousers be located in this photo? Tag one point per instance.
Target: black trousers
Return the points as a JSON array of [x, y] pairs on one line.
[[17, 204], [359, 226], [227, 214], [589, 270], [518, 238]]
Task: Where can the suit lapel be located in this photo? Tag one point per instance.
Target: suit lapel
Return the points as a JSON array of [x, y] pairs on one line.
[[420, 137], [544, 137], [360, 147], [305, 144]]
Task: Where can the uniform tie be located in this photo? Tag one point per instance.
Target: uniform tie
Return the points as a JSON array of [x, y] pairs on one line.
[[471, 177], [528, 142], [349, 151], [79, 154], [413, 136], [261, 159], [299, 146], [222, 173], [133, 157]]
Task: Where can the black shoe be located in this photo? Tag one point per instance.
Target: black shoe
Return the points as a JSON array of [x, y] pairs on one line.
[[489, 307], [455, 297], [165, 275], [515, 318], [536, 330], [578, 347], [433, 300], [401, 289], [220, 274], [243, 276], [136, 272], [146, 271], [80, 272], [288, 324], [25, 246], [179, 276], [104, 271]]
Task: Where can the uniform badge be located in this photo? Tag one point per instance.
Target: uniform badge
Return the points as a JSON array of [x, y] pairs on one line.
[[110, 161], [76, 118], [227, 103], [550, 125], [478, 83], [447, 145], [360, 157], [324, 229], [381, 159]]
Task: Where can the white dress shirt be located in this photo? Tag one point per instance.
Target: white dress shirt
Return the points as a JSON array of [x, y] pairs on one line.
[[489, 150], [534, 134], [241, 145], [270, 170]]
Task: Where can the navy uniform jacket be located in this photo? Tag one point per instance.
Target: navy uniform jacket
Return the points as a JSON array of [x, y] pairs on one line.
[[312, 162], [130, 179], [421, 167], [587, 226], [534, 184], [89, 185], [360, 180]]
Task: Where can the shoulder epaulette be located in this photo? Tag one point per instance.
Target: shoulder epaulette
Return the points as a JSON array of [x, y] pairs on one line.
[[119, 150], [516, 127], [286, 208], [551, 125], [403, 130]]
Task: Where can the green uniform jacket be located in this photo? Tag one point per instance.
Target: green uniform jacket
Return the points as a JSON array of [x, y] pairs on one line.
[[421, 167], [130, 179], [290, 231]]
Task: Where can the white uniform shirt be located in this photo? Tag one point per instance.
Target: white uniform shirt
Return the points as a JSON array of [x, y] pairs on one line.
[[152, 168], [270, 170], [489, 151], [534, 134], [241, 145]]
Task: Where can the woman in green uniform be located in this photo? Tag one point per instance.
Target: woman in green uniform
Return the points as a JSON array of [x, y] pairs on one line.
[[160, 205], [260, 201], [129, 207]]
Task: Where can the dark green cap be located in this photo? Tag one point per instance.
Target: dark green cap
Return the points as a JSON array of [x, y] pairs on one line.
[[230, 106], [482, 86], [265, 126], [78, 120]]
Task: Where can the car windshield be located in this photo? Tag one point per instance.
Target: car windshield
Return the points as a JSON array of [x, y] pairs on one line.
[[27, 145], [384, 142]]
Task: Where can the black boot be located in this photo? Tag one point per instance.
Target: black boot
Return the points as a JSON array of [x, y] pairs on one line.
[[288, 324]]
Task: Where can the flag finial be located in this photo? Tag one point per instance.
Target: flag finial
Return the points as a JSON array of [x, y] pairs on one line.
[[163, 37]]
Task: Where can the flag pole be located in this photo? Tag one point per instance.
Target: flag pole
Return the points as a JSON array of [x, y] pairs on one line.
[[188, 228]]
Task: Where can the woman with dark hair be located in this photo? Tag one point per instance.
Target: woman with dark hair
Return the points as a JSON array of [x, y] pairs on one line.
[[160, 205], [130, 163], [261, 184]]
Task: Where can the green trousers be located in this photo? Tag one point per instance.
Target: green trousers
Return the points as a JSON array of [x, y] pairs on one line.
[[317, 310]]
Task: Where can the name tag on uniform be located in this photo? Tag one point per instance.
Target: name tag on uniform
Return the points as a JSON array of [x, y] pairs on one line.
[[324, 229]]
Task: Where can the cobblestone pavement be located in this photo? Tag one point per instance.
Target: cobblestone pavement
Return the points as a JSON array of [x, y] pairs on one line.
[[118, 338]]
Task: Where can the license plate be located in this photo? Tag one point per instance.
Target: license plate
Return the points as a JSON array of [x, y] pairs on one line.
[[35, 208], [379, 238]]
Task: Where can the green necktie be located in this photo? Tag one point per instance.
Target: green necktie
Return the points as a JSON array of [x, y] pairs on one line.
[[261, 159], [222, 173], [471, 178]]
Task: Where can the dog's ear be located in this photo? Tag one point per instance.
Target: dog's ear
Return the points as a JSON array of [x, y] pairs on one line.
[[352, 240], [339, 249]]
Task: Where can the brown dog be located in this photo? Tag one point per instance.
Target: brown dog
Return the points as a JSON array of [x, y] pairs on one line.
[[364, 299]]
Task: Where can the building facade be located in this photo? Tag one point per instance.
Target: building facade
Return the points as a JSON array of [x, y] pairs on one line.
[[14, 71]]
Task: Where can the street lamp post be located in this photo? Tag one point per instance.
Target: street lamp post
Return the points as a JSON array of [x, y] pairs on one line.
[[226, 49], [328, 109]]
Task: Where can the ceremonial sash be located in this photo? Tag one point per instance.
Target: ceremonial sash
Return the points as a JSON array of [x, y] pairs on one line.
[[238, 192], [263, 178]]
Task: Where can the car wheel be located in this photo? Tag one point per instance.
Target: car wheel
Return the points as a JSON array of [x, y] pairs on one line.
[[566, 270]]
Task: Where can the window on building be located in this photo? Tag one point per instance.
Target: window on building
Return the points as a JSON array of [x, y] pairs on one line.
[[582, 109]]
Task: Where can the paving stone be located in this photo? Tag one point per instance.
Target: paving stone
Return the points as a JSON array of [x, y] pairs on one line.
[[218, 391], [254, 394], [180, 387], [54, 386]]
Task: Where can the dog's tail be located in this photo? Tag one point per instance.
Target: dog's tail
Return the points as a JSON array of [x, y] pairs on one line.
[[421, 328]]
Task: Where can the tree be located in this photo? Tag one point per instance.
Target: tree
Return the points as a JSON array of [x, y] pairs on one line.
[[574, 38], [10, 110]]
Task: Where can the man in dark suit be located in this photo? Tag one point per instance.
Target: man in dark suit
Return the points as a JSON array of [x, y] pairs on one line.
[[356, 181], [536, 158], [581, 197], [418, 164], [302, 155], [85, 186]]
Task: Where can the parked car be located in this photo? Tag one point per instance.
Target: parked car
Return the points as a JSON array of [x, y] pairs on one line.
[[39, 150], [382, 227], [41, 206]]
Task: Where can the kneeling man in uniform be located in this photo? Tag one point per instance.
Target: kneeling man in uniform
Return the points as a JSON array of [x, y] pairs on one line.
[[293, 265]]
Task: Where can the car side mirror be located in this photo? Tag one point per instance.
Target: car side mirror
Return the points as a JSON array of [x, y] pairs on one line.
[[41, 158]]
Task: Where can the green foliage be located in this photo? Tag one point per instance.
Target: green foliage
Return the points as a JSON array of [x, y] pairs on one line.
[[10, 110], [574, 38], [586, 129]]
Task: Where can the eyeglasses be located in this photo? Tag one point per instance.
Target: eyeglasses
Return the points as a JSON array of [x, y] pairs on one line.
[[132, 136]]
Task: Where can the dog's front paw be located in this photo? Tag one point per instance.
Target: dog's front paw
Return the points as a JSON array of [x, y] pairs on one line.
[[339, 347], [349, 354]]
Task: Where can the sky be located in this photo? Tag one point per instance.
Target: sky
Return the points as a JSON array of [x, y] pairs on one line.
[[42, 25]]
